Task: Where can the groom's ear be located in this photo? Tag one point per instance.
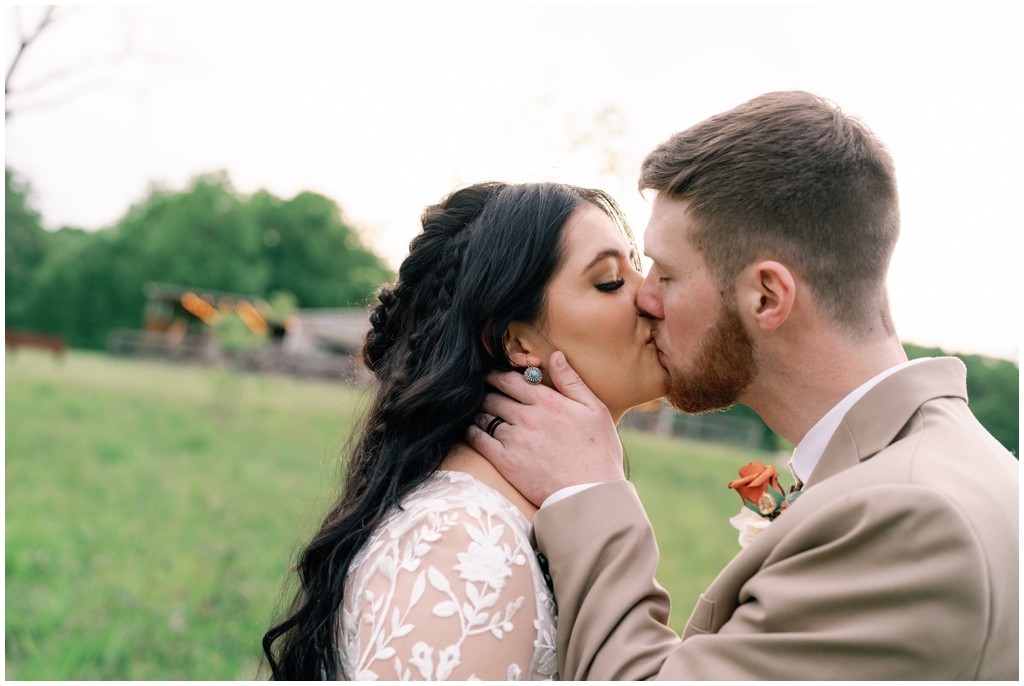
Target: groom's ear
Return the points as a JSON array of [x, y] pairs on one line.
[[765, 293]]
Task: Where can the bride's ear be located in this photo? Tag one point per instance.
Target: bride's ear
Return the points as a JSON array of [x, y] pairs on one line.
[[520, 345]]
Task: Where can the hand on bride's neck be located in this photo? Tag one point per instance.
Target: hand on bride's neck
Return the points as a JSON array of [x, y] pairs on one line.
[[464, 459]]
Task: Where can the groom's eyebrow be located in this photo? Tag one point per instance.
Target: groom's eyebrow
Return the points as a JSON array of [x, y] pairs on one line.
[[604, 255]]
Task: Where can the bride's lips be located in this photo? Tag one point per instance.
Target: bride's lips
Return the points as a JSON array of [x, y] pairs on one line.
[[653, 345], [661, 355]]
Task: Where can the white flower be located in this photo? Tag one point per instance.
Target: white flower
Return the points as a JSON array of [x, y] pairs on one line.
[[749, 524], [486, 563], [423, 659], [447, 661]]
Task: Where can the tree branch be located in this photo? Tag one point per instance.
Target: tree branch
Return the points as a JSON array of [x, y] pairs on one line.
[[25, 42], [82, 66]]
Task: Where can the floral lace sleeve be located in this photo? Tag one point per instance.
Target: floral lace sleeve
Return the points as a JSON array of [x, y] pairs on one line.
[[451, 597]]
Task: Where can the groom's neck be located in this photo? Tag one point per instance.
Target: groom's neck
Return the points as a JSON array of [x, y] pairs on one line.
[[802, 377]]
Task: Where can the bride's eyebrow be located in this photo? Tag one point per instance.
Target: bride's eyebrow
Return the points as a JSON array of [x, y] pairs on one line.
[[603, 255]]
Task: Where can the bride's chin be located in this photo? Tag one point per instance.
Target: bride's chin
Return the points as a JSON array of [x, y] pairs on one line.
[[638, 396], [650, 382]]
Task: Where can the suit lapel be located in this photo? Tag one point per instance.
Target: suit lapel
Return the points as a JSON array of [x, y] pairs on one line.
[[878, 417], [870, 425]]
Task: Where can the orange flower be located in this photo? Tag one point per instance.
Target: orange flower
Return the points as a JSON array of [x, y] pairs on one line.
[[754, 480]]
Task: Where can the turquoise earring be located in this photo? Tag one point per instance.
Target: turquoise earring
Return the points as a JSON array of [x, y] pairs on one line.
[[533, 375]]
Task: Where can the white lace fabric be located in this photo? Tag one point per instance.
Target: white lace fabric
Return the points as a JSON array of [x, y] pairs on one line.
[[449, 588]]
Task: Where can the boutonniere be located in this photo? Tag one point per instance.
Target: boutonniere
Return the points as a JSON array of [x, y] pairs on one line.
[[762, 498]]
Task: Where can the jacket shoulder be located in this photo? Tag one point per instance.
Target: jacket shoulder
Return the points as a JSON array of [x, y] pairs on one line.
[[886, 581]]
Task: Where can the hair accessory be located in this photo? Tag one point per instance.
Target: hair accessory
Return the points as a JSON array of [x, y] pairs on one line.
[[494, 425], [533, 376]]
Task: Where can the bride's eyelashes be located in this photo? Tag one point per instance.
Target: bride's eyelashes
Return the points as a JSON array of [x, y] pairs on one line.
[[611, 285]]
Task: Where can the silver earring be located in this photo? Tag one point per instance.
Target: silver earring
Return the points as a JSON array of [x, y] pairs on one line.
[[533, 376]]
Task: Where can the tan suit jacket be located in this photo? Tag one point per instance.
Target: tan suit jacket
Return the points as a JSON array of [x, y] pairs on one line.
[[899, 561]]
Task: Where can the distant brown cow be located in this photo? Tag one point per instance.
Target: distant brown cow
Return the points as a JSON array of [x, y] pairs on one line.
[[18, 339]]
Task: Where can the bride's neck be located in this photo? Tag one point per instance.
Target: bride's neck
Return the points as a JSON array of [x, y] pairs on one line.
[[464, 459]]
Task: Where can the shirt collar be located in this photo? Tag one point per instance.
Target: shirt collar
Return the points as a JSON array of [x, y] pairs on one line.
[[810, 449]]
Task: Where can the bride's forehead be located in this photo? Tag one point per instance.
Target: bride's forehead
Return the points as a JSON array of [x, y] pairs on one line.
[[590, 230]]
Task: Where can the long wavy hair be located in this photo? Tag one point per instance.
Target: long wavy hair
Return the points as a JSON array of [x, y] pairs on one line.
[[483, 260]]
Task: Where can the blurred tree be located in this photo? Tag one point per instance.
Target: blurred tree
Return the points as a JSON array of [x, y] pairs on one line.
[[199, 237], [312, 253], [76, 291], [282, 305], [82, 284], [234, 336], [25, 245]]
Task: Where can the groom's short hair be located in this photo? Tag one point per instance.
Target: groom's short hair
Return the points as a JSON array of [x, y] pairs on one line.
[[788, 176]]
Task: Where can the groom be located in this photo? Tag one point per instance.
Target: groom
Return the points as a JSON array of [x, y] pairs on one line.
[[771, 232]]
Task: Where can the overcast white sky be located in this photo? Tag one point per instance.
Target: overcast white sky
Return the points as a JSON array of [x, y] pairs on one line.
[[387, 109]]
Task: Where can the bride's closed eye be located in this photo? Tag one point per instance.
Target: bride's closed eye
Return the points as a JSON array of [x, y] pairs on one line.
[[611, 285]]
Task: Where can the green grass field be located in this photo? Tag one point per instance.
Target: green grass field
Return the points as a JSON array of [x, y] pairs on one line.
[[152, 511]]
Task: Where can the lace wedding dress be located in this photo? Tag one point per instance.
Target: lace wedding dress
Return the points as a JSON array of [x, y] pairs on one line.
[[449, 588]]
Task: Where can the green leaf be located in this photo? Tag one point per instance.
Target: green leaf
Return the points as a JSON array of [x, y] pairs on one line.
[[777, 495], [751, 506]]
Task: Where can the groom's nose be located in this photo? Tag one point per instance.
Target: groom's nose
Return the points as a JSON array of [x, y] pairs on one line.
[[648, 299]]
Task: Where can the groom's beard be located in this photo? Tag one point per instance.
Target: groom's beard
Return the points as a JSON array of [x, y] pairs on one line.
[[723, 368]]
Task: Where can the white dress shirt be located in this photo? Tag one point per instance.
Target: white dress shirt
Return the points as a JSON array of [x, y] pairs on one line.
[[809, 451]]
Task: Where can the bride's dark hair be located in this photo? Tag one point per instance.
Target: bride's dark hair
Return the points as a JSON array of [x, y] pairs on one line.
[[483, 260]]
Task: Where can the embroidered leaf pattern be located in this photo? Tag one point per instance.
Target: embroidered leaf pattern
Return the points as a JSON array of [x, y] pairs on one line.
[[429, 587]]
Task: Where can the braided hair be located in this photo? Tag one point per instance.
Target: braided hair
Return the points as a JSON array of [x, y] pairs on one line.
[[482, 261]]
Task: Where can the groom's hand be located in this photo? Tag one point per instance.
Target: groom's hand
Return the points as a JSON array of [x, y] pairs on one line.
[[550, 439]]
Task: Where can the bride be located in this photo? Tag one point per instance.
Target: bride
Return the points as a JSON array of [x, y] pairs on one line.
[[423, 569]]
